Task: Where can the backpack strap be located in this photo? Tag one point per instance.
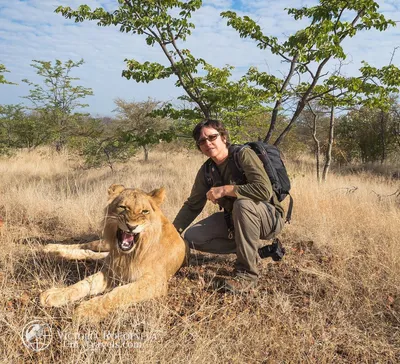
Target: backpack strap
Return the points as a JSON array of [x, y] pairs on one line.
[[213, 179], [290, 209], [235, 165], [211, 174]]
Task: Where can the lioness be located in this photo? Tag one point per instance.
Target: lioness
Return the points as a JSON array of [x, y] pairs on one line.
[[145, 250]]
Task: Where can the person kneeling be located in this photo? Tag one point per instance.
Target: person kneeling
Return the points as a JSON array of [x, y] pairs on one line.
[[251, 208]]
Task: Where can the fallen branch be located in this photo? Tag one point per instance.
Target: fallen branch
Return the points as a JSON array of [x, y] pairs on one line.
[[394, 194], [349, 190]]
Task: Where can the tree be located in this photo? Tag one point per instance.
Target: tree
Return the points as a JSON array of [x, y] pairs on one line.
[[209, 95], [119, 139], [9, 116], [371, 89], [101, 144], [136, 124], [57, 98], [311, 121], [19, 129], [231, 101], [153, 19], [308, 51], [369, 134], [395, 127]]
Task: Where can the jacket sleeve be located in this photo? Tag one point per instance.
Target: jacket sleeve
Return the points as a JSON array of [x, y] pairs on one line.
[[258, 186], [194, 204]]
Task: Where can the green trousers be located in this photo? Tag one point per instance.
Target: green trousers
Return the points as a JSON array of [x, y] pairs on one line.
[[252, 221]]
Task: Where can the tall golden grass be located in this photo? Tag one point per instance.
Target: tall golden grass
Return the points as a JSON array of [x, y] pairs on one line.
[[334, 298]]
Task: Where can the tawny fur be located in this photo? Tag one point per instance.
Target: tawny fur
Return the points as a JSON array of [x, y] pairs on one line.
[[127, 277]]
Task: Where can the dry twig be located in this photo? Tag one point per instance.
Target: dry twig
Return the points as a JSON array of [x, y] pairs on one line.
[[349, 190]]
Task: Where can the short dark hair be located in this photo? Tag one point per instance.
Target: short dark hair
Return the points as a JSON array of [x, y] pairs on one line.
[[210, 123]]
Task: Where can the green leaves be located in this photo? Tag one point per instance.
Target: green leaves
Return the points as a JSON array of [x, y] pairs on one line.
[[248, 28], [152, 18], [373, 88], [3, 80], [145, 72]]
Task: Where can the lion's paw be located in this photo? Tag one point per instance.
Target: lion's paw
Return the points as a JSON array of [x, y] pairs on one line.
[[89, 311], [53, 297]]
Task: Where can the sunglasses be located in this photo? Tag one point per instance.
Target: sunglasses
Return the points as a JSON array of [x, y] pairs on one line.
[[210, 138]]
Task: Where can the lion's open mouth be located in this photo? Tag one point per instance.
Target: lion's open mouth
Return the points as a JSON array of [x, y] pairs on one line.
[[126, 240]]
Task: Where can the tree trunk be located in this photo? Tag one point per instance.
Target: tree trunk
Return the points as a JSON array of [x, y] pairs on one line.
[[109, 161], [274, 117], [328, 156], [278, 103], [299, 109], [383, 144], [317, 145], [58, 145], [146, 153]]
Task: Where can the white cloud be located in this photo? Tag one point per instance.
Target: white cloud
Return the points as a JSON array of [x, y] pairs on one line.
[[31, 30]]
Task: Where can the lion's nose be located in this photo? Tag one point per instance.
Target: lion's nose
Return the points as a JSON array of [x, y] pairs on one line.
[[131, 227]]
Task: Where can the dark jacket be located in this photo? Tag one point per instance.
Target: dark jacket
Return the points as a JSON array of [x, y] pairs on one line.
[[258, 188]]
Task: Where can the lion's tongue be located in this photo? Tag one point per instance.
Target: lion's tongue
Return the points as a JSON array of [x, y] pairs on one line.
[[127, 240]]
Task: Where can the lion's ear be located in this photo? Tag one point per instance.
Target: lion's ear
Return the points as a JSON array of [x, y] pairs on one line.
[[158, 195], [113, 191]]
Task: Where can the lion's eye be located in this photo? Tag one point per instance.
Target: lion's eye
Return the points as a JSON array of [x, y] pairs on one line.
[[121, 208], [145, 212]]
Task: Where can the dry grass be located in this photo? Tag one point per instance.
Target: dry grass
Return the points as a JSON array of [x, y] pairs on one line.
[[334, 298]]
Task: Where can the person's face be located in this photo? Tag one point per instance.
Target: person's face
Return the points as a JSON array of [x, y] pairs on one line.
[[211, 143]]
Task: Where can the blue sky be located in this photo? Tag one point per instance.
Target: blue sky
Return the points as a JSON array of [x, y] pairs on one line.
[[30, 30]]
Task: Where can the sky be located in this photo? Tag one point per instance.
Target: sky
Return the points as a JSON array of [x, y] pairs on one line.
[[30, 30]]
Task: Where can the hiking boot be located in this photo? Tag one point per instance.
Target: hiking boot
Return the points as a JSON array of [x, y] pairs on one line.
[[237, 284], [276, 251]]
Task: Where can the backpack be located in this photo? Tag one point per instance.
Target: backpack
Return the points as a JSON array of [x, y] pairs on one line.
[[270, 156]]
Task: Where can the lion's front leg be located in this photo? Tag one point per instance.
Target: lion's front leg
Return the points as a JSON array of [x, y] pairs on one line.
[[92, 285], [141, 290], [93, 250]]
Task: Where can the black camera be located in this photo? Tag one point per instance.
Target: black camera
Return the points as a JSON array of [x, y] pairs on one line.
[[276, 251]]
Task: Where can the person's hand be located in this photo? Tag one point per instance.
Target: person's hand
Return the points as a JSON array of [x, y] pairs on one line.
[[215, 193]]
